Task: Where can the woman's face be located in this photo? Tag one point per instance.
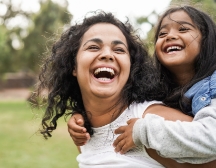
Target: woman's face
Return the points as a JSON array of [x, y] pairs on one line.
[[178, 42], [103, 62]]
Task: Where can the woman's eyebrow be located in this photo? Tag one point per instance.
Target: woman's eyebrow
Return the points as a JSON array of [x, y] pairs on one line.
[[96, 40], [115, 42]]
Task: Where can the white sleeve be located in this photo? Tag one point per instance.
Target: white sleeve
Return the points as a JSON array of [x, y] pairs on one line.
[[139, 108], [192, 142]]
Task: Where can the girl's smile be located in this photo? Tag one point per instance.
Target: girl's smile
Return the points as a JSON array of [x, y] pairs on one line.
[[178, 42]]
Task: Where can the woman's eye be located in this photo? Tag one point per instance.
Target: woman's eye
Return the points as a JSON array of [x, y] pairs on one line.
[[93, 47], [119, 50]]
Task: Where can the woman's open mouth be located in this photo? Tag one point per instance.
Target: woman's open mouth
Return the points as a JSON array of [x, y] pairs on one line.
[[104, 73]]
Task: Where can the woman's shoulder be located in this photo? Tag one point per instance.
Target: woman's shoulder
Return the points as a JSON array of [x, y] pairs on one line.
[[139, 108]]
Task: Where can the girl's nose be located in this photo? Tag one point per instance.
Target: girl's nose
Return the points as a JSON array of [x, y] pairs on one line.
[[171, 36]]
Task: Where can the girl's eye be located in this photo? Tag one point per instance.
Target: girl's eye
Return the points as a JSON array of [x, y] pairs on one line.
[[162, 34], [183, 29]]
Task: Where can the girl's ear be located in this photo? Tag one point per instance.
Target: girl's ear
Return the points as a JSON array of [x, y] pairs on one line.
[[74, 73]]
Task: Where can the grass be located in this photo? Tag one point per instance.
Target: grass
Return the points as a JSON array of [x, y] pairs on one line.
[[22, 147]]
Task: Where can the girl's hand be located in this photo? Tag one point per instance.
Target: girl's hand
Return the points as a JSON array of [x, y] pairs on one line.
[[77, 130], [124, 142]]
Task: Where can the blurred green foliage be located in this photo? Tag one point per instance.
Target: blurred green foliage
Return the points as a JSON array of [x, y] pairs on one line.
[[209, 6], [5, 50], [22, 48], [47, 25]]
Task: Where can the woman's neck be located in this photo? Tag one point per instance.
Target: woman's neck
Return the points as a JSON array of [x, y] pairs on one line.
[[102, 111]]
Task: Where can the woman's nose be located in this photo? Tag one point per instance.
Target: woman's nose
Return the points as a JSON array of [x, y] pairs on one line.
[[107, 55]]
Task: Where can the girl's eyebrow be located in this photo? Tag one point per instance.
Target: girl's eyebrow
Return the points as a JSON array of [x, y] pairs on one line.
[[97, 40], [179, 22]]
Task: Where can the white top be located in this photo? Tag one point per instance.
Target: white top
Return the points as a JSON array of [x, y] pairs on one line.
[[99, 151]]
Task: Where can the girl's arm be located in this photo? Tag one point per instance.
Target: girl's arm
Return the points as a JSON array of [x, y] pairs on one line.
[[169, 163], [77, 130], [191, 142], [126, 141], [78, 147]]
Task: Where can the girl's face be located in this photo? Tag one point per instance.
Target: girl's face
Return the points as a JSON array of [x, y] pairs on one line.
[[103, 62], [178, 43]]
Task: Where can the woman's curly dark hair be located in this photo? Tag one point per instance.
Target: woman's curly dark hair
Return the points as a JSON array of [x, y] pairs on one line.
[[64, 96], [205, 63]]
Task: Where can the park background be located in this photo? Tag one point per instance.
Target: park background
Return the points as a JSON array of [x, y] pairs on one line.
[[27, 30]]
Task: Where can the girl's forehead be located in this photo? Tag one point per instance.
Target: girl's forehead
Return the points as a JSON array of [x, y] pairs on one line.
[[177, 16]]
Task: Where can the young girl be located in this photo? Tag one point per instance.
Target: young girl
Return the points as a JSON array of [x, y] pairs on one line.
[[186, 54], [186, 57]]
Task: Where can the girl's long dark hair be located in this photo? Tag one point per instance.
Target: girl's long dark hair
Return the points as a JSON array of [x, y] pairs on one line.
[[64, 96], [205, 63]]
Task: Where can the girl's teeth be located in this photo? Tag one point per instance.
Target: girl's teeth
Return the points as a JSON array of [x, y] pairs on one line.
[[173, 47]]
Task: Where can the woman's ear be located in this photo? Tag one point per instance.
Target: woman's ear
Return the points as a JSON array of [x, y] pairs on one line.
[[74, 73]]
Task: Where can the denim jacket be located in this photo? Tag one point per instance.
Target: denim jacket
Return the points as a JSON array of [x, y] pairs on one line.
[[202, 92]]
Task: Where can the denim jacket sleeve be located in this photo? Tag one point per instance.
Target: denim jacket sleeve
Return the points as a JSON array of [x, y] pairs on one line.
[[202, 92]]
